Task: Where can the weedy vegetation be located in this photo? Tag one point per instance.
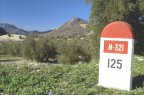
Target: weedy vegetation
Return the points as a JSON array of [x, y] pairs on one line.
[[62, 79]]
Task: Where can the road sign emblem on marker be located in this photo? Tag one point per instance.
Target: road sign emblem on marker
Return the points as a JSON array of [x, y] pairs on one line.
[[116, 52]]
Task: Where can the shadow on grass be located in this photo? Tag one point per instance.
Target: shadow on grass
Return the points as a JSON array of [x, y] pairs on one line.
[[138, 82]]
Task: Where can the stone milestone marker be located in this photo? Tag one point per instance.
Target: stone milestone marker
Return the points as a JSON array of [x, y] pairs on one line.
[[116, 54]]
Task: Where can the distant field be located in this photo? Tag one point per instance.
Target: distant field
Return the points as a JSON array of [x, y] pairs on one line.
[[32, 78], [12, 37]]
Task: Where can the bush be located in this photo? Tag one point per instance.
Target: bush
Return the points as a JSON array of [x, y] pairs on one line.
[[48, 50], [29, 48], [21, 37], [40, 50], [11, 48], [73, 51], [45, 51]]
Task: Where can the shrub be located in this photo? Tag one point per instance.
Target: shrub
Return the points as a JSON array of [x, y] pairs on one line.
[[48, 50], [11, 48], [73, 51], [9, 35], [21, 37], [45, 51], [29, 48], [40, 50], [63, 59]]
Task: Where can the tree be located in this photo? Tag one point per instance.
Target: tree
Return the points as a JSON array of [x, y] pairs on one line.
[[106, 11], [40, 50], [45, 51], [9, 35], [29, 48]]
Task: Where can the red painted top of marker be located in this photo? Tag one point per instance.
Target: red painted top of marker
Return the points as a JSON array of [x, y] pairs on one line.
[[118, 29]]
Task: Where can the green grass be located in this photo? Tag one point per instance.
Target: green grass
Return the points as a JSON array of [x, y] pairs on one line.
[[80, 79]]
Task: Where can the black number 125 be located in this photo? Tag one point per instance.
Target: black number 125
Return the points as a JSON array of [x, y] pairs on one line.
[[115, 63]]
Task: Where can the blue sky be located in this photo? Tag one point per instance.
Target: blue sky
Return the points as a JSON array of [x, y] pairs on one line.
[[42, 14]]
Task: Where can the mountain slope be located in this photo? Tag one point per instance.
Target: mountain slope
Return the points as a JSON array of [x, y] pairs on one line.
[[2, 31], [13, 29], [74, 27]]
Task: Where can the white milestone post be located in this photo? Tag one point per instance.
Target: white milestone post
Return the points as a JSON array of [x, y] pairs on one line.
[[116, 54]]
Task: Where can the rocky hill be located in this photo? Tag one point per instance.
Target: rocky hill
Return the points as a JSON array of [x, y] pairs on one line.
[[74, 27], [2, 31], [13, 29]]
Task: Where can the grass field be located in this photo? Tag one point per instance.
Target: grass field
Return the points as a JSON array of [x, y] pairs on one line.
[[59, 79]]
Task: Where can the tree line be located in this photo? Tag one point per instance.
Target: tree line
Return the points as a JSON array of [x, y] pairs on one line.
[[47, 50]]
